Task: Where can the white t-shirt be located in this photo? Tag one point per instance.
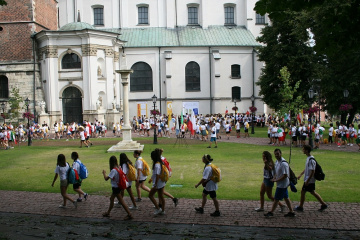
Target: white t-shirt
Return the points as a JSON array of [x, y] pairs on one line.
[[207, 174], [213, 132], [82, 136], [282, 168], [331, 129], [157, 171], [309, 166], [62, 171], [293, 131], [114, 176], [76, 165], [139, 165]]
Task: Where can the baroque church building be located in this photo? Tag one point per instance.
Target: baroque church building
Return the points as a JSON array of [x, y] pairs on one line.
[[196, 56]]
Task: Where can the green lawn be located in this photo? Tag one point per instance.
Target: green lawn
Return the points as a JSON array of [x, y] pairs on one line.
[[32, 169]]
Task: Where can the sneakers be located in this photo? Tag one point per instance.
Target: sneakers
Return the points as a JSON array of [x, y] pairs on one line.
[[138, 200], [208, 147], [157, 211], [215, 146], [215, 214], [86, 196], [176, 201], [75, 204], [161, 213], [323, 207], [199, 210], [290, 214], [269, 214], [62, 206], [282, 208], [299, 209], [79, 200], [259, 209], [133, 208]]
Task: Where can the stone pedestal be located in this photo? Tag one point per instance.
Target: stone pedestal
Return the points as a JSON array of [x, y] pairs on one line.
[[127, 144]]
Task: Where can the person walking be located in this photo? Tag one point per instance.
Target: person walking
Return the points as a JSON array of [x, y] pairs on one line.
[[209, 185], [125, 165], [158, 185], [77, 185], [267, 185], [281, 178], [116, 191], [212, 135], [309, 180], [61, 170], [141, 178]]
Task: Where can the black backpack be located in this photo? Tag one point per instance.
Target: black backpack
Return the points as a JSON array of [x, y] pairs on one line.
[[319, 174], [293, 179]]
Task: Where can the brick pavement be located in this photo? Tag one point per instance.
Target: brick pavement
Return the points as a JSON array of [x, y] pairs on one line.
[[339, 216]]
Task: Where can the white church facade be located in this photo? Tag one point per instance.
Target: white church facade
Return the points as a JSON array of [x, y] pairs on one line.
[[195, 56]]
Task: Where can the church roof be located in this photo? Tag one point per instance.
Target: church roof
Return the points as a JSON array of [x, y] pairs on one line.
[[186, 36], [76, 26]]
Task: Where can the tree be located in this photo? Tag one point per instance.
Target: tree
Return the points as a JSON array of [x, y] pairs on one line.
[[3, 3], [285, 45], [336, 28], [14, 100]]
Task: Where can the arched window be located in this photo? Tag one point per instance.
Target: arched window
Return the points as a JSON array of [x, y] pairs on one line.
[[143, 14], [229, 15], [141, 78], [70, 61], [4, 87], [192, 76]]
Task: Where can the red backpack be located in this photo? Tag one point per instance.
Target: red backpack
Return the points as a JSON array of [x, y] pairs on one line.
[[167, 164], [122, 179]]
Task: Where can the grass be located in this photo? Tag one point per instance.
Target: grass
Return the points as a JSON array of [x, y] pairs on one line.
[[32, 169]]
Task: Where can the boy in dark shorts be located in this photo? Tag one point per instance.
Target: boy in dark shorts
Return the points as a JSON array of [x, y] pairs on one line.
[[309, 181]]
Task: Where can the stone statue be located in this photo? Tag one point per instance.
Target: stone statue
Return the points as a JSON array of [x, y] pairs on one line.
[[42, 105], [99, 103], [99, 71]]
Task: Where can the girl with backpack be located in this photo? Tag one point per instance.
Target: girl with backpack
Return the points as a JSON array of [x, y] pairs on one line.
[[141, 178], [61, 170], [267, 185], [116, 191], [158, 185], [77, 185], [209, 185], [125, 165]]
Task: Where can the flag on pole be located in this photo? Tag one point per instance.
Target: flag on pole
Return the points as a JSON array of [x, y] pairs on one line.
[[226, 110], [300, 116]]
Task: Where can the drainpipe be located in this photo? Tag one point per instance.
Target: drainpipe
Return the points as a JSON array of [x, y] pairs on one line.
[[120, 14], [160, 79], [34, 72], [176, 24], [211, 100]]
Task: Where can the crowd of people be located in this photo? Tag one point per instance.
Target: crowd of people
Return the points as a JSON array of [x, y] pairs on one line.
[[194, 127]]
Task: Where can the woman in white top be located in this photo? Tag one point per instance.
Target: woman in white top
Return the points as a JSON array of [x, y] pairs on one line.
[[158, 185], [61, 170], [124, 163], [114, 176], [141, 178]]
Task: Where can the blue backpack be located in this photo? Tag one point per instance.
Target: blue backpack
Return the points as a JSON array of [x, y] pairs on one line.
[[84, 173]]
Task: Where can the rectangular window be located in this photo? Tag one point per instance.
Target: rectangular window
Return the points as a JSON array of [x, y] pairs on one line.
[[235, 71], [98, 16], [260, 19], [193, 15], [143, 13], [229, 15]]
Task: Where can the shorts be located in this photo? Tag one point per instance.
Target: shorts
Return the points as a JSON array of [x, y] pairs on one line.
[[303, 138], [211, 193], [238, 131], [227, 132], [309, 188], [76, 185], [281, 193], [317, 140], [115, 191], [141, 181], [246, 130], [203, 132], [358, 141], [213, 139], [87, 138], [268, 182], [113, 131], [64, 183], [217, 130], [343, 138], [159, 131], [294, 138]]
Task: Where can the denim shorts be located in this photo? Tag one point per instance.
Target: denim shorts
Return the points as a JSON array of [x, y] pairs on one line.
[[268, 183]]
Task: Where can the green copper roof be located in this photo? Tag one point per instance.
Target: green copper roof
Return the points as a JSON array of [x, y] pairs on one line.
[[76, 26], [187, 37]]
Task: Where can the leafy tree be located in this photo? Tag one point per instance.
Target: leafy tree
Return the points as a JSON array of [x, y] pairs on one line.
[[14, 101], [2, 3], [336, 28], [285, 45]]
